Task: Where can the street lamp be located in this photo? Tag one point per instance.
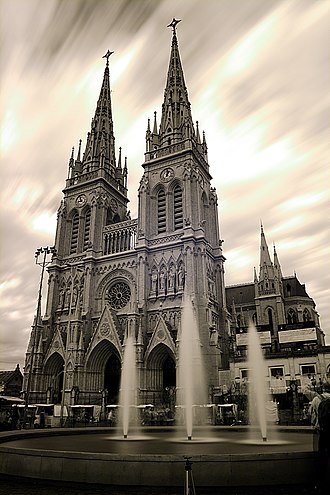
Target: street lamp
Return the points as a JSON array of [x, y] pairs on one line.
[[45, 261]]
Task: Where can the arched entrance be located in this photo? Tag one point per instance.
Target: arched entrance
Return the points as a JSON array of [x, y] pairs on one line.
[[161, 377], [112, 373], [53, 373], [103, 371]]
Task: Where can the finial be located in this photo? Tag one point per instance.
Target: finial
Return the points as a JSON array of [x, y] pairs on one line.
[[174, 23], [119, 159], [79, 151], [261, 226], [107, 56]]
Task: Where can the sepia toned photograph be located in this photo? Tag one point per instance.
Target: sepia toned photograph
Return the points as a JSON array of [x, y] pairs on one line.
[[165, 323]]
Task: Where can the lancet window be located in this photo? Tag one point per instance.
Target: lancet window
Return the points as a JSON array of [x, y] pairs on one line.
[[87, 228], [161, 211], [178, 212], [74, 233]]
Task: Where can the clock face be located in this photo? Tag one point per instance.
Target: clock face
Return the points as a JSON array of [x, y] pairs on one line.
[[81, 200], [167, 174]]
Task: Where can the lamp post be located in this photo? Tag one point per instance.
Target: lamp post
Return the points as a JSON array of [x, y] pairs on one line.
[[45, 260]]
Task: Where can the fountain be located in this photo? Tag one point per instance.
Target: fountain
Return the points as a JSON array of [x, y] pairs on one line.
[[192, 390], [128, 389], [99, 455], [257, 385]]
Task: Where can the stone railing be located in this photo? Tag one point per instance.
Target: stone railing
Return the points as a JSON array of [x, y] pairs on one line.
[[96, 174], [119, 237]]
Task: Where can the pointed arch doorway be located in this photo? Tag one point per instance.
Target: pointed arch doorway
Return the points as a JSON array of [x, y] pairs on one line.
[[161, 377], [112, 374]]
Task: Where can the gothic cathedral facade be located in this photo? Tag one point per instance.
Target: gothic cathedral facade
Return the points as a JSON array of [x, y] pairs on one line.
[[113, 277]]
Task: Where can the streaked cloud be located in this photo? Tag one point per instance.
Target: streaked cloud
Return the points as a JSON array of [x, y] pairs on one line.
[[258, 77]]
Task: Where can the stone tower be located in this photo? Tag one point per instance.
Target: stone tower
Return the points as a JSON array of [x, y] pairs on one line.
[[114, 277]]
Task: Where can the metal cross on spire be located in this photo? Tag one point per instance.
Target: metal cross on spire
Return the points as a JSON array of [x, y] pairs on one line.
[[107, 56], [174, 23]]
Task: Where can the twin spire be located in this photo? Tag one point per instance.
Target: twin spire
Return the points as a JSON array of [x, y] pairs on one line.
[[270, 273], [176, 126], [100, 146]]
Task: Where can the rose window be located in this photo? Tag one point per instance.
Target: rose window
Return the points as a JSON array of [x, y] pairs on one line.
[[119, 295]]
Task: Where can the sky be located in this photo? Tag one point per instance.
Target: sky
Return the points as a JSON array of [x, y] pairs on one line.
[[257, 73]]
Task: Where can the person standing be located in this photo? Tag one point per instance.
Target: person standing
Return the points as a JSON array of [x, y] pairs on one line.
[[320, 420]]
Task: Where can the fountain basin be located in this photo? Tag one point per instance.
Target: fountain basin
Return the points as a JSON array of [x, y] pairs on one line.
[[96, 455]]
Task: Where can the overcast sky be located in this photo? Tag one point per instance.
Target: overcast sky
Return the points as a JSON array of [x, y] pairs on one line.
[[257, 73]]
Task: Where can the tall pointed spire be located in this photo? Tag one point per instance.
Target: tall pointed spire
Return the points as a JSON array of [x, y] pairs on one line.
[[176, 121], [265, 260], [101, 140], [266, 273]]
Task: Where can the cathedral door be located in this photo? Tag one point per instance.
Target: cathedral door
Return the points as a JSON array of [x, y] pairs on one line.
[[112, 374], [169, 382]]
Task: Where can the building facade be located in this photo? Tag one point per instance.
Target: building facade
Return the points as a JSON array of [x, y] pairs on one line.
[[113, 277], [289, 331]]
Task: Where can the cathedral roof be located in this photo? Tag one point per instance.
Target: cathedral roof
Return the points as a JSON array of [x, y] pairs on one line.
[[241, 294], [292, 287]]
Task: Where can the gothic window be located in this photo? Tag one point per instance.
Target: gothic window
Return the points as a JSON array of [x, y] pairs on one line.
[[306, 315], [288, 289], [292, 317], [87, 228], [74, 233], [161, 210], [119, 295], [270, 321], [178, 213]]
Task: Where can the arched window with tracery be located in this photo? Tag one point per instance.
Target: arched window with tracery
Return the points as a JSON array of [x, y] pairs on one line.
[[177, 207], [270, 320], [292, 317], [161, 211], [74, 233], [87, 228], [306, 315]]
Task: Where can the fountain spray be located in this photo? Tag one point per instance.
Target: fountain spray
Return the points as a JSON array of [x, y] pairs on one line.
[[192, 388], [257, 386], [128, 390]]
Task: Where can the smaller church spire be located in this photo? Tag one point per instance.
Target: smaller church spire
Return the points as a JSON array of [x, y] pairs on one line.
[[79, 151], [71, 164], [119, 159], [125, 173], [155, 129], [278, 270], [265, 260], [148, 137], [204, 147], [198, 138]]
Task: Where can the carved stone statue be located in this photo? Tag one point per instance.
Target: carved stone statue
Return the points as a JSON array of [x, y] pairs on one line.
[[154, 279]]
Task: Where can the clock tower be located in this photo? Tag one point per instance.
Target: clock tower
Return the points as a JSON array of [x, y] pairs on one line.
[[115, 277]]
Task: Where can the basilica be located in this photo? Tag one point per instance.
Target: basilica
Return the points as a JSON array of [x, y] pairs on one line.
[[112, 277]]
